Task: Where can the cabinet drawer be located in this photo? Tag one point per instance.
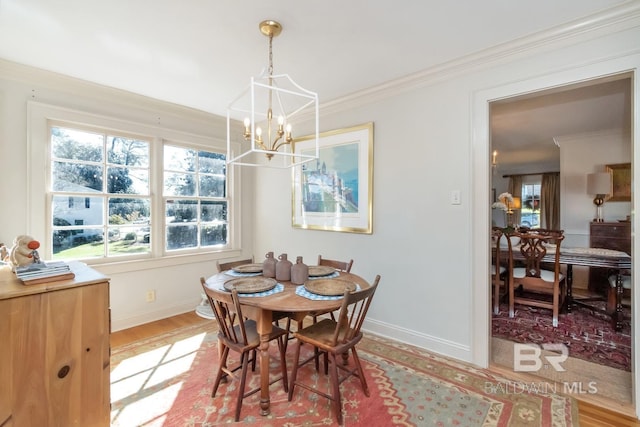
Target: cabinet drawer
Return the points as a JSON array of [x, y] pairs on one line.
[[621, 231]]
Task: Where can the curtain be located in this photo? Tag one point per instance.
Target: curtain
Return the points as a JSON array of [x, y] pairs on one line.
[[515, 188], [550, 201]]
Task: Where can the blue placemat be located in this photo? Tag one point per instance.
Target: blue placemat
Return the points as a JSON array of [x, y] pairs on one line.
[[328, 276], [236, 274], [279, 288], [303, 292]]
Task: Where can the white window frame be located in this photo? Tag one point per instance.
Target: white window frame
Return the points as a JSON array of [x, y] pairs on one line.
[[39, 118]]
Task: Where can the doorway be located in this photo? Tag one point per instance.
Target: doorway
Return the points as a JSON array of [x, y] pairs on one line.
[[535, 92], [561, 132]]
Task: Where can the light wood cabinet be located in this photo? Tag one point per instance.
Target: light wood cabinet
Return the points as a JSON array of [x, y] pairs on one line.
[[607, 235], [54, 351]]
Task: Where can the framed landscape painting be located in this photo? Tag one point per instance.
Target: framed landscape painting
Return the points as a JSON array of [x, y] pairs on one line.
[[620, 182], [334, 193]]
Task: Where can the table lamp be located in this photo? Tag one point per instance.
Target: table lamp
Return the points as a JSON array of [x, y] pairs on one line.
[[599, 184]]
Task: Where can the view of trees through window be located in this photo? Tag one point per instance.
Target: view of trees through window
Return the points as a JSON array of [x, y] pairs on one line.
[[195, 198], [100, 187], [101, 203], [530, 211]]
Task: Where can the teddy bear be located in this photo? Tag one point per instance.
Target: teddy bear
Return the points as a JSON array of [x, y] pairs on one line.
[[24, 251]]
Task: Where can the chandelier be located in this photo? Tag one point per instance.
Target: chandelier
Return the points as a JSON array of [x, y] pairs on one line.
[[268, 108]]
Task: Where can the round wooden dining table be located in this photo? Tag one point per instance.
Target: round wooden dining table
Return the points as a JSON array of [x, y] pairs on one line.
[[261, 309]]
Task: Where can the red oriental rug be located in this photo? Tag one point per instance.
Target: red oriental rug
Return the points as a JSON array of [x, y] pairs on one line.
[[167, 381], [587, 334]]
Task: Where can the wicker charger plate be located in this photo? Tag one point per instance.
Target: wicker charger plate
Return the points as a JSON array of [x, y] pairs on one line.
[[329, 287], [248, 268], [320, 270], [250, 285]]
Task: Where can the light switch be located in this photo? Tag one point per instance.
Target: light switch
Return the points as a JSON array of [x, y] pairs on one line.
[[455, 197]]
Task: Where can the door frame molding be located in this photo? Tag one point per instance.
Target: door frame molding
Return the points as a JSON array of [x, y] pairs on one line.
[[481, 187]]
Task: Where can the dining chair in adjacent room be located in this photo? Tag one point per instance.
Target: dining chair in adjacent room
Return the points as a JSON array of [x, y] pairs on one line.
[[611, 293], [541, 287], [335, 338], [240, 335], [498, 269]]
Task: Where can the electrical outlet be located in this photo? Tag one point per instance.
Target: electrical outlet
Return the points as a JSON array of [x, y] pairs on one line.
[[151, 295]]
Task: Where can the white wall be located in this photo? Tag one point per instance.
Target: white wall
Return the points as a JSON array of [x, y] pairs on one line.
[[581, 155], [176, 279]]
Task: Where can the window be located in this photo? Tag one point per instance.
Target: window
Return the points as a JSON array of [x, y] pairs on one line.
[[530, 210], [100, 181], [100, 196], [195, 204]]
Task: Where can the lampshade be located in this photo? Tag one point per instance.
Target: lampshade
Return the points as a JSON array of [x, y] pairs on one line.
[[517, 203], [599, 183]]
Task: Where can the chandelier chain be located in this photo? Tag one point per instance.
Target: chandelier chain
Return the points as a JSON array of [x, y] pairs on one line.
[[271, 54]]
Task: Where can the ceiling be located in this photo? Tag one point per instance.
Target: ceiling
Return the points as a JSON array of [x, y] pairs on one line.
[[524, 129], [203, 55]]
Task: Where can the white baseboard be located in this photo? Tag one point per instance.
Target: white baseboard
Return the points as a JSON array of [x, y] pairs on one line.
[[427, 342]]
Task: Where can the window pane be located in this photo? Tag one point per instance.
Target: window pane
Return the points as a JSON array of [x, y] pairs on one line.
[[128, 240], [77, 243], [213, 235], [179, 184], [213, 163], [76, 177], [212, 186], [213, 211], [179, 159], [181, 211], [128, 152], [530, 211], [76, 145], [129, 211], [68, 210], [182, 236], [127, 181]]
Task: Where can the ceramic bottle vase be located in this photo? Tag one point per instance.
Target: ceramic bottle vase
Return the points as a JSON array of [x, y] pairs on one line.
[[299, 272], [269, 265], [283, 268]]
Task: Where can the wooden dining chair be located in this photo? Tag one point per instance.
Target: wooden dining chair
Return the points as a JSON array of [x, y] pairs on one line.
[[541, 287], [224, 266], [338, 265], [240, 335], [498, 269], [335, 338], [344, 266]]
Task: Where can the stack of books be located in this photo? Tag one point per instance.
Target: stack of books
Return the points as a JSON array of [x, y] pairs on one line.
[[43, 272]]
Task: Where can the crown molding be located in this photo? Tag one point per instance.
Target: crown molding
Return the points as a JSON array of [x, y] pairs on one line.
[[611, 21]]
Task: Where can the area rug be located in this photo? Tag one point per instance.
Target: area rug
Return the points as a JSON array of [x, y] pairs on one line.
[[167, 381], [588, 334]]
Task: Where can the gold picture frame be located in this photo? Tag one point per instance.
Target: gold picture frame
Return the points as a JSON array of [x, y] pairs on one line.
[[620, 182], [335, 192]]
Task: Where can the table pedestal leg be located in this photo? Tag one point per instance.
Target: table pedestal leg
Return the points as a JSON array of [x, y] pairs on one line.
[[264, 329], [617, 314], [569, 287]]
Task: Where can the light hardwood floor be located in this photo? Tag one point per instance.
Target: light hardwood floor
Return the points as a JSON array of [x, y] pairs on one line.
[[592, 414]]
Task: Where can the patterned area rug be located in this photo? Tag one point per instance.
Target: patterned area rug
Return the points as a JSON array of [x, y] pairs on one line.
[[167, 381], [587, 333]]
